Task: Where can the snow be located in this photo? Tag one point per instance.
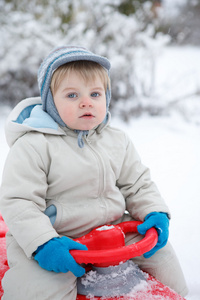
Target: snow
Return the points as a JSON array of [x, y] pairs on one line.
[[169, 145], [185, 79], [117, 280], [105, 227]]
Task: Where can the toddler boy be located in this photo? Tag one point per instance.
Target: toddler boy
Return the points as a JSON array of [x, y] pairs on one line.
[[67, 172]]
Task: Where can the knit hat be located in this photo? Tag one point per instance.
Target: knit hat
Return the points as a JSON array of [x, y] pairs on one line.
[[60, 56]]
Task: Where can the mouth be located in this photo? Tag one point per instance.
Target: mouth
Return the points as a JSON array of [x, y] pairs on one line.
[[87, 116]]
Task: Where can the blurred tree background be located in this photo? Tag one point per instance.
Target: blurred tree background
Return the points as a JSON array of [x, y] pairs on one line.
[[130, 33]]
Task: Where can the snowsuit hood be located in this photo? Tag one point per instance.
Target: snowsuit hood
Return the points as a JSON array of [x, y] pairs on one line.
[[28, 116]]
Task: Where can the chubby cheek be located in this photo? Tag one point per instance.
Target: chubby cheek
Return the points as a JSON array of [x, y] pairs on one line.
[[63, 111], [102, 112], [66, 115]]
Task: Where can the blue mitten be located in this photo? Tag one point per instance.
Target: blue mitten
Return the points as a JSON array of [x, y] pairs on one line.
[[160, 221], [54, 256]]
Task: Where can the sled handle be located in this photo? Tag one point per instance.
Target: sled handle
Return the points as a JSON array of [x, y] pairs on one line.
[[106, 244]]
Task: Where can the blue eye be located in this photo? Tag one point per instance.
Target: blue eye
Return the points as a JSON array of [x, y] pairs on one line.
[[95, 94], [72, 95]]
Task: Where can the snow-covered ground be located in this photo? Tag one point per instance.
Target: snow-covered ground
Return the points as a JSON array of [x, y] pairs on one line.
[[170, 146]]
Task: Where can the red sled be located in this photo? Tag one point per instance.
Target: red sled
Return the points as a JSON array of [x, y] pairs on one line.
[[155, 291], [3, 258], [106, 260]]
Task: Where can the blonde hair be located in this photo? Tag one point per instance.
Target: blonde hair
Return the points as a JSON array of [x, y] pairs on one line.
[[88, 70]]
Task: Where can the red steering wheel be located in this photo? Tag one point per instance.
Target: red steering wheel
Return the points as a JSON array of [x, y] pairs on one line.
[[106, 244]]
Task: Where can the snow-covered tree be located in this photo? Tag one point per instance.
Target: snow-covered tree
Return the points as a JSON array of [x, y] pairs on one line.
[[127, 36]]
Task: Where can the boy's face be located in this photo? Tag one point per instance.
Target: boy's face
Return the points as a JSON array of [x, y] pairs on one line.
[[80, 104]]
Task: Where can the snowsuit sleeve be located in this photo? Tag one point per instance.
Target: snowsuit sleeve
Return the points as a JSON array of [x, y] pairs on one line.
[[22, 197], [140, 192]]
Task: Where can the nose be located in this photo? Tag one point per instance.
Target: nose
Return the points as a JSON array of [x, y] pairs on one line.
[[86, 102]]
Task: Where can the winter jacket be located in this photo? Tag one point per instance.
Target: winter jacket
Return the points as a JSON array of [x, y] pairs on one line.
[[89, 186]]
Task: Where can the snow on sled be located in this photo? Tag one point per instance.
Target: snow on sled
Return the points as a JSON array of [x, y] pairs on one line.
[[111, 275]]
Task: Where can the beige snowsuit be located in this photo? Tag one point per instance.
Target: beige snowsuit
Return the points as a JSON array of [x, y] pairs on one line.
[[89, 186]]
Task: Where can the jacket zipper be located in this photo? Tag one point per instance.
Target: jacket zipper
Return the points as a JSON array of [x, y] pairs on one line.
[[101, 168]]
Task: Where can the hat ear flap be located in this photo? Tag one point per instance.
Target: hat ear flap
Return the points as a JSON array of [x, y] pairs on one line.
[[52, 110], [108, 97]]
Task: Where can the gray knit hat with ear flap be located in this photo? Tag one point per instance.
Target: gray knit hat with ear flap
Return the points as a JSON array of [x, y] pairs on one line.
[[60, 56]]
